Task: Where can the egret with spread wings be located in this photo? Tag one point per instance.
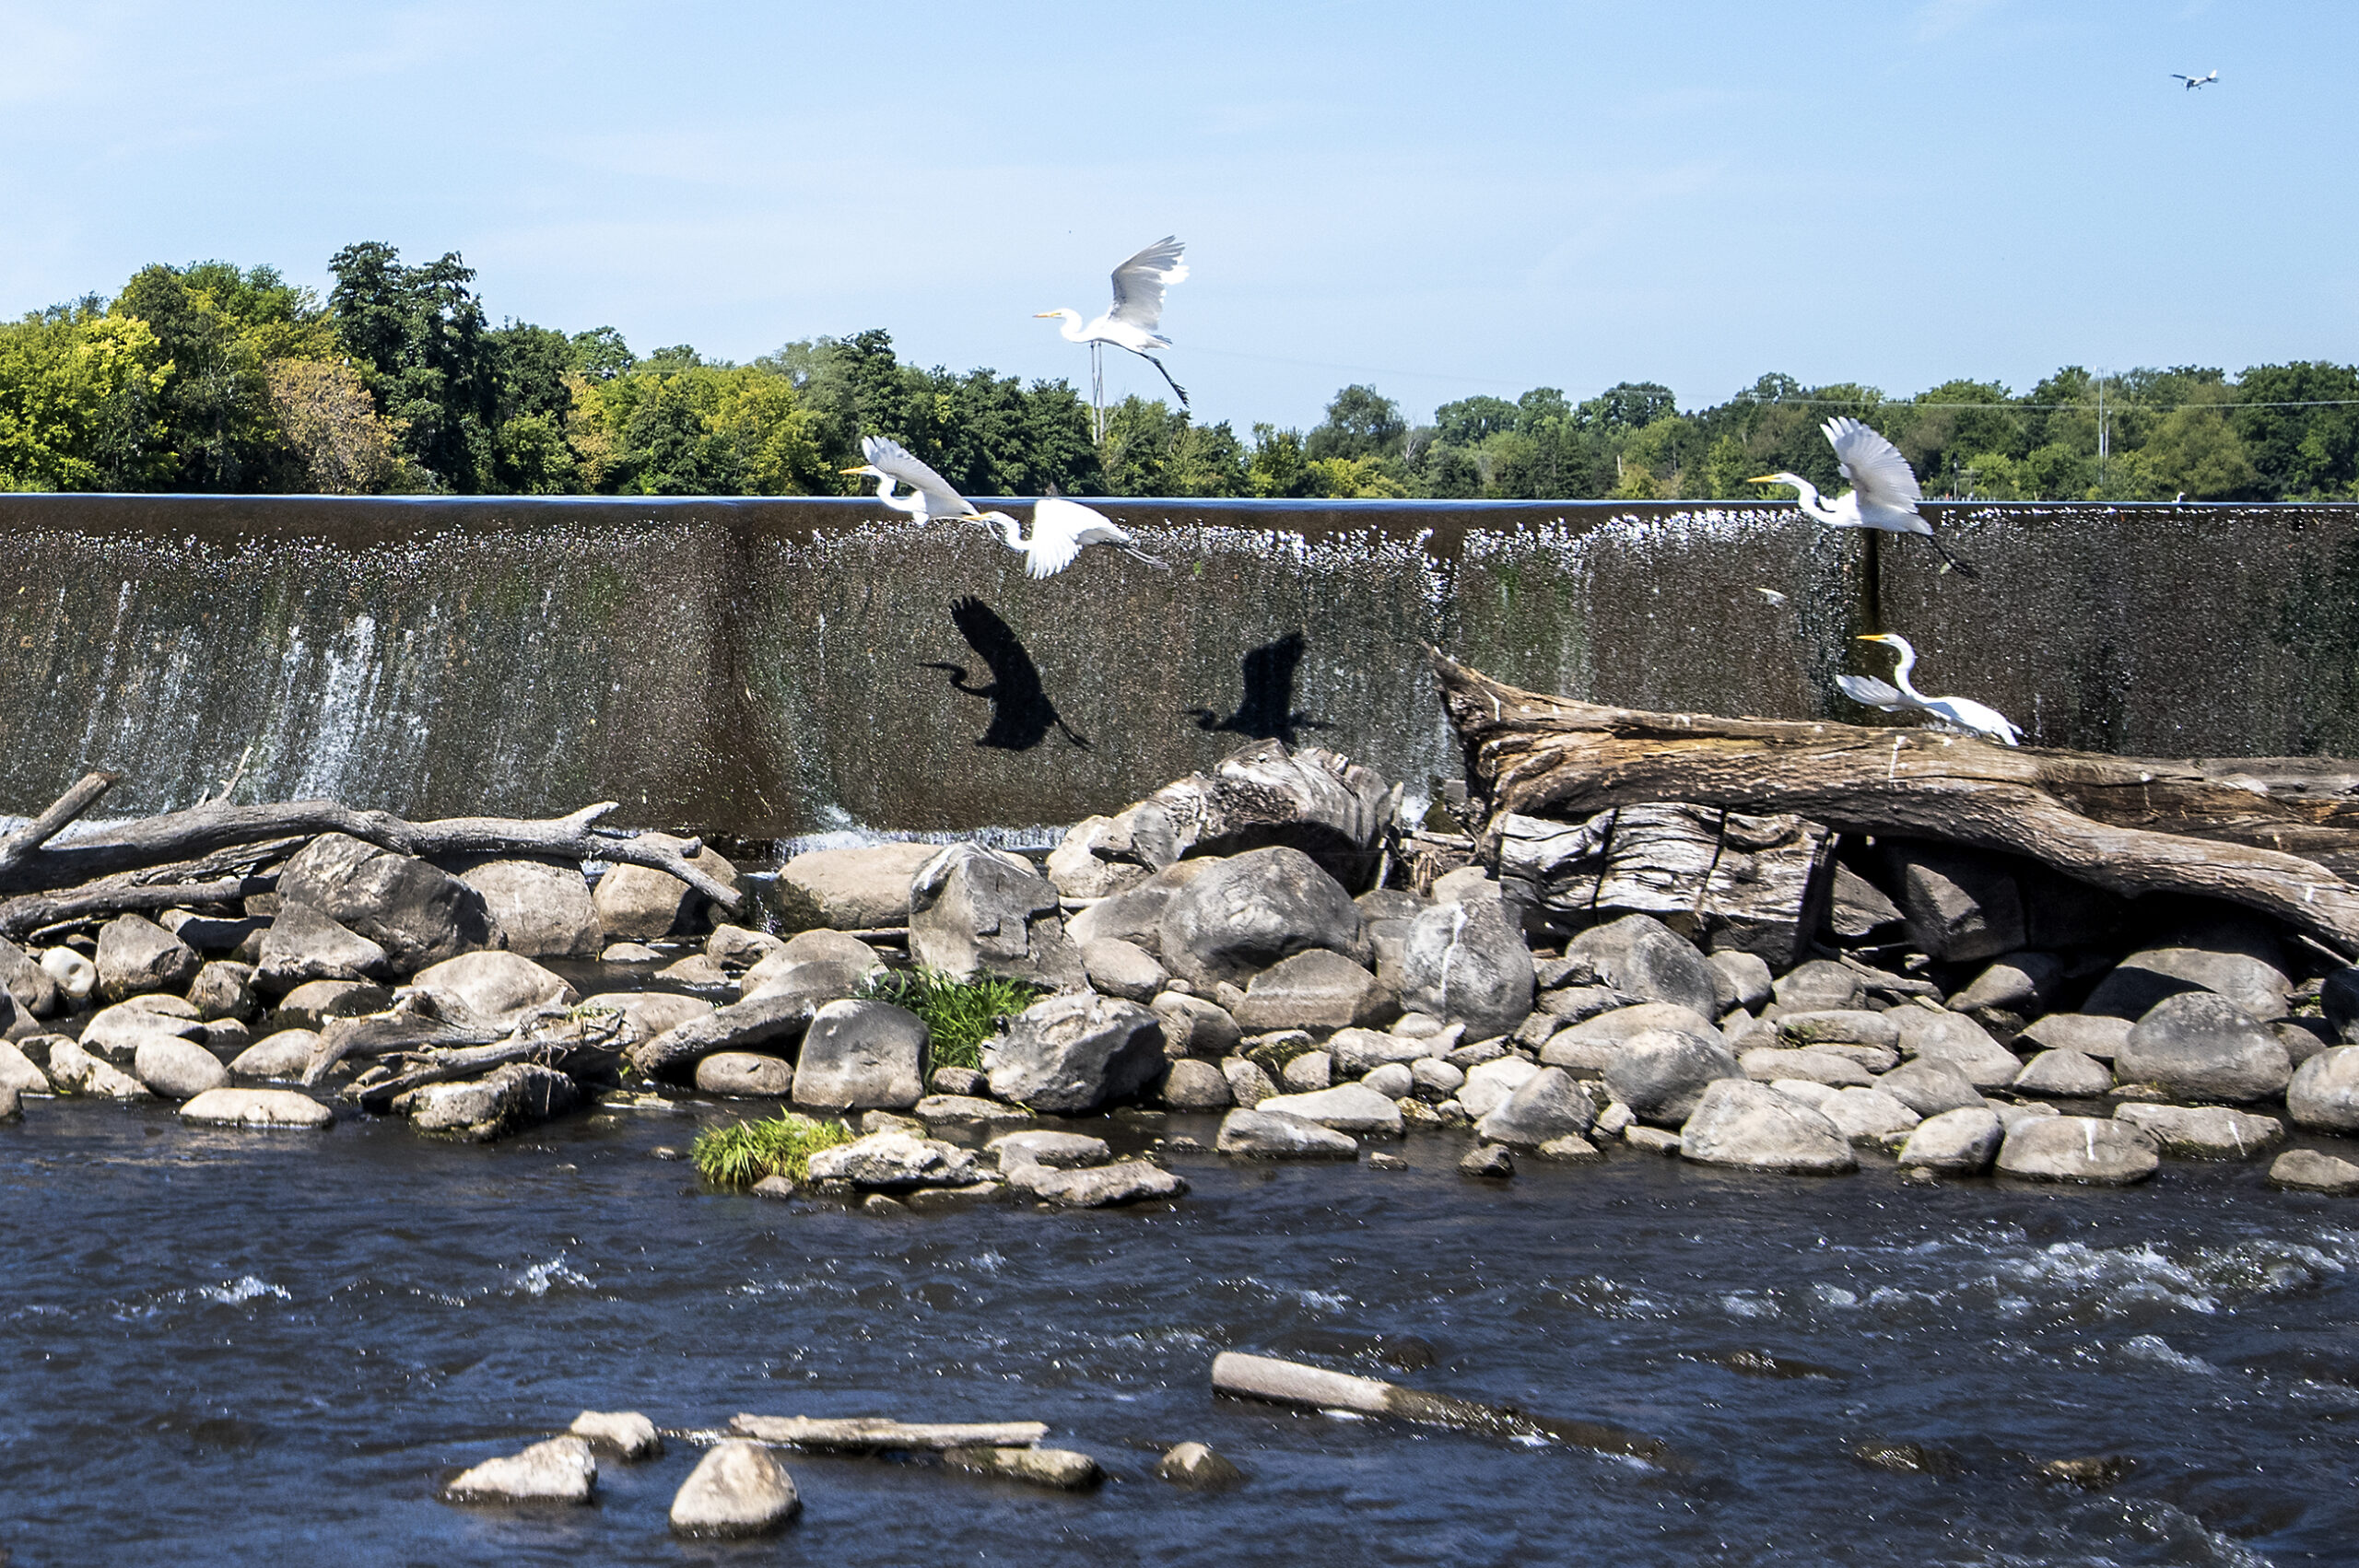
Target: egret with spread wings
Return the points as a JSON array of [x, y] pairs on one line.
[[1883, 493], [1902, 697], [1134, 320], [930, 495], [1061, 531]]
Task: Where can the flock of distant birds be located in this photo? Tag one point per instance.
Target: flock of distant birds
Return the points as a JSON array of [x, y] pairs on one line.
[[1883, 495]]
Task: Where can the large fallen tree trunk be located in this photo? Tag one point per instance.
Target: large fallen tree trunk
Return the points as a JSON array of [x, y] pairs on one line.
[[2217, 829]]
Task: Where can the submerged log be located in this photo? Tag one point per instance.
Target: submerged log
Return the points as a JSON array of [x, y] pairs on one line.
[[2132, 825], [864, 1435]]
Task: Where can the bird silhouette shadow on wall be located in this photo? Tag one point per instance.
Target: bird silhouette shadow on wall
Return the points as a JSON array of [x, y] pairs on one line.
[[1022, 714], [1266, 710]]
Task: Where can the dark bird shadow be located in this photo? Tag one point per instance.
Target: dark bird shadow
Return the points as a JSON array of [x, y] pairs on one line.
[[1266, 710], [1022, 714]]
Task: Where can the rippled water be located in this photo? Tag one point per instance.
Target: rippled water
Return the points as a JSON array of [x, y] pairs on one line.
[[230, 1349]]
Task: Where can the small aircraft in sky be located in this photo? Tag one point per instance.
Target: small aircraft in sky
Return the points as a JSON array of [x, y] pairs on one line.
[[2194, 82]]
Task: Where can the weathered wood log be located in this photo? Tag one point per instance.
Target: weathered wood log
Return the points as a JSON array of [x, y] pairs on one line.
[[32, 912], [201, 829], [62, 811], [2132, 825], [574, 1041], [873, 1434]]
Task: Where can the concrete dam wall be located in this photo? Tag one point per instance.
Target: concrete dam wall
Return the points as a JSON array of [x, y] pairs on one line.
[[776, 668]]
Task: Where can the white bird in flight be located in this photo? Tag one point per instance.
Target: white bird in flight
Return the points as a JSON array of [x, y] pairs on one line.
[[2195, 82], [1883, 493], [1061, 531], [1134, 320], [1960, 712], [930, 495]]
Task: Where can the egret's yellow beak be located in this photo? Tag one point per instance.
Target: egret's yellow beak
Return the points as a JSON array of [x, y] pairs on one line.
[[1872, 637], [1044, 315], [1766, 479], [862, 469]]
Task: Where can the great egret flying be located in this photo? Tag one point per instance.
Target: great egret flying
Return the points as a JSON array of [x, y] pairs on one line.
[[1131, 321], [931, 495], [1883, 493], [1959, 712], [2194, 82], [1061, 531]]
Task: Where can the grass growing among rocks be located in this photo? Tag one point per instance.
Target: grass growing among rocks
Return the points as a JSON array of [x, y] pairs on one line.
[[744, 1154], [959, 1015]]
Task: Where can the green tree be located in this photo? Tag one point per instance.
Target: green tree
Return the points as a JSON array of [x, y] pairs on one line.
[[418, 336], [1360, 423], [81, 403]]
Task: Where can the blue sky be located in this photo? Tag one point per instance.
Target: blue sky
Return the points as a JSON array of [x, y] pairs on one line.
[[1444, 200]]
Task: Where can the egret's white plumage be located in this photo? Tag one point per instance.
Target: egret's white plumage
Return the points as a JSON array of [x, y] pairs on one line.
[[930, 495], [1959, 712], [1135, 318], [1061, 531], [1883, 493]]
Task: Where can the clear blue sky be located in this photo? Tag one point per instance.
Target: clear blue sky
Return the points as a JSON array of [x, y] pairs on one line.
[[1442, 199]]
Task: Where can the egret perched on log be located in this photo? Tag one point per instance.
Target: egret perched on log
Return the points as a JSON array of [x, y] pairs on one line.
[[1883, 493], [931, 496], [1133, 319], [1061, 530], [1960, 712]]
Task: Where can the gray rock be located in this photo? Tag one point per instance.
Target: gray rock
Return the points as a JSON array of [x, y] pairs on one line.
[[1062, 1468], [418, 913], [256, 1107], [1276, 1136], [2096, 1035], [2324, 1094], [695, 969], [861, 1055], [2096, 1150], [1392, 1080], [648, 1013], [1347, 1107], [738, 947], [1738, 1122], [305, 943], [224, 990], [498, 987], [1548, 1106], [1867, 1115], [1491, 1085], [1124, 969], [500, 1103], [1959, 904], [1052, 1151], [2310, 1171], [1199, 1468], [2066, 1074], [1249, 1085], [1930, 1087], [2339, 999], [811, 983], [2303, 1037], [974, 912], [1739, 979], [176, 1068], [1467, 963], [1193, 1086], [1080, 873], [1307, 1073], [853, 890], [1358, 1052], [136, 954], [738, 1489], [745, 1073], [542, 907], [1966, 1140], [632, 1437], [1589, 1047], [17, 1072], [2021, 982], [1821, 985], [1065, 1055], [1487, 1160], [1464, 885], [640, 904], [1135, 915], [1661, 1074], [810, 947], [2199, 1045], [284, 1054], [560, 1470], [114, 1032], [1650, 1140], [1103, 1187], [1577, 1004], [1193, 1027], [2204, 1133], [1640, 956], [75, 977], [1249, 911], [1435, 1079], [1314, 989], [1767, 1064], [956, 1081], [2010, 1112], [966, 1108], [773, 1016], [628, 953], [1858, 908], [1850, 1026], [73, 1070], [1569, 1149], [32, 984], [1952, 1037], [2146, 979], [896, 1161]]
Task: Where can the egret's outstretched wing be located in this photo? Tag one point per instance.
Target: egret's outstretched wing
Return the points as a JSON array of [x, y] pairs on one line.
[[941, 500], [1139, 283], [1874, 465], [1871, 692]]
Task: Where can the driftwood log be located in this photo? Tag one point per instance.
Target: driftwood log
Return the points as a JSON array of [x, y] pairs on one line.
[[2272, 835], [863, 1435]]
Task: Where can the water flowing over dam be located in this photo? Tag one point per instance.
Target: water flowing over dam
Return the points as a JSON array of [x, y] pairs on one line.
[[770, 668]]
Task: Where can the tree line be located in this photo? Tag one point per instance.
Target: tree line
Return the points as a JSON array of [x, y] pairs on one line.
[[216, 378]]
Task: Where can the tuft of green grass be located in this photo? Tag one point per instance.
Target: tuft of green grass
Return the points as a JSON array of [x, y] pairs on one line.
[[959, 1015], [744, 1154]]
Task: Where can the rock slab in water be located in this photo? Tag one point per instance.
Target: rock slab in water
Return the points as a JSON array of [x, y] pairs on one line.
[[861, 1055], [1641, 956], [1272, 1135], [1549, 1106], [1065, 1055], [1738, 1122], [1966, 1140], [542, 907], [632, 1437], [491, 1106], [2324, 1093], [1347, 1107], [896, 1161], [2204, 1133], [560, 1470], [737, 1488], [2311, 1171], [975, 912], [1058, 1467], [1467, 963], [1247, 913], [2199, 1045], [967, 1107], [1198, 1468], [1099, 1186], [2096, 1150], [1661, 1074], [1490, 1161], [135, 956]]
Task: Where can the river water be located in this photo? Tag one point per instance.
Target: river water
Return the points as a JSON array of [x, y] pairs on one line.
[[232, 1348]]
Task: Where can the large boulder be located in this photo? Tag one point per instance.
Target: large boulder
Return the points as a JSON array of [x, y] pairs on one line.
[[1739, 979], [1248, 912], [1467, 963], [648, 1013], [756, 1022], [560, 1470], [1930, 1087], [640, 902], [1274, 1135], [2096, 1149], [543, 908], [137, 955], [1965, 1140], [419, 913], [175, 1069], [1081, 873], [1639, 955], [1263, 794], [1347, 1107], [224, 990], [737, 1488], [1738, 1122], [2020, 982], [2199, 1045], [1819, 986], [497, 986], [852, 890], [1135, 915], [1065, 1055], [862, 1056], [2146, 979], [1961, 904], [1867, 1115], [896, 1161], [745, 1073], [1121, 968], [2324, 1091], [503, 1101], [973, 911], [2066, 1074], [305, 943], [1661, 1074], [1588, 1046], [2204, 1133], [1931, 1036], [1193, 1027], [2307, 1170], [256, 1107], [1193, 1086], [1314, 989], [1549, 1105]]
